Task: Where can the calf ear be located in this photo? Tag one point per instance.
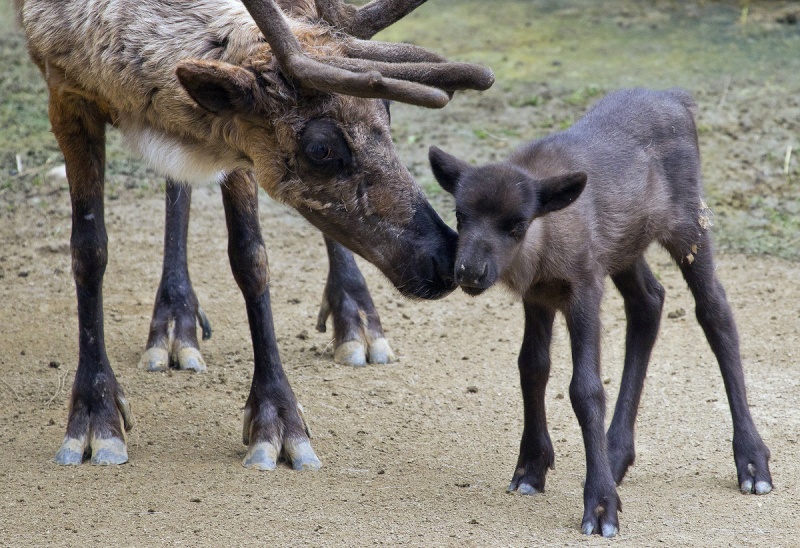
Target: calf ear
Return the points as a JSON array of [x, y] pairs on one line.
[[220, 88], [446, 168], [558, 192]]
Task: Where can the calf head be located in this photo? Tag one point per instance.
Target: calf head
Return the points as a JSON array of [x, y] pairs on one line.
[[495, 206]]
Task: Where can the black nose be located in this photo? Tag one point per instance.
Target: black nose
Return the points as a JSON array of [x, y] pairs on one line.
[[472, 275]]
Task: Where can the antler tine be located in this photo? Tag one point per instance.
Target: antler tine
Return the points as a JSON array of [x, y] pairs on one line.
[[410, 62], [366, 21], [296, 64], [391, 52], [446, 76]]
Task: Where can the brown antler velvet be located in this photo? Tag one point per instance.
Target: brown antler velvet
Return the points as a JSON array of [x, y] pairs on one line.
[[446, 76], [400, 72], [366, 21]]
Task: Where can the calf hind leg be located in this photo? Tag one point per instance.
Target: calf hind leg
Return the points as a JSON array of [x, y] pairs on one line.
[[536, 454], [714, 314], [173, 330], [358, 334], [273, 422], [98, 411], [644, 299]]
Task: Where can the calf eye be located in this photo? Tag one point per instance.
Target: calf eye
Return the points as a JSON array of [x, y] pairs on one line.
[[518, 230]]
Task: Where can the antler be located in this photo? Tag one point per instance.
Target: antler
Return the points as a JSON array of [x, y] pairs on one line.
[[401, 72], [366, 21]]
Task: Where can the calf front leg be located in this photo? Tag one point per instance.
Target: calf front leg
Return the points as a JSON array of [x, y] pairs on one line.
[[644, 299], [273, 422], [600, 499], [714, 314], [535, 449], [98, 410], [173, 330], [357, 330]]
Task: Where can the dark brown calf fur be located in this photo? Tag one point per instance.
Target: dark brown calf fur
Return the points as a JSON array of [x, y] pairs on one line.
[[631, 171]]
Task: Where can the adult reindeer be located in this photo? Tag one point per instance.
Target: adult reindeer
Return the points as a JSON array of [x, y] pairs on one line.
[[213, 91]]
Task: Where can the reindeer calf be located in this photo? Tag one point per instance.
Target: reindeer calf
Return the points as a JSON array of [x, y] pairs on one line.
[[630, 173]]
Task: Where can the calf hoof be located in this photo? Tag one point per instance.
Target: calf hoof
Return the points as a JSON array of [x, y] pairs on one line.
[[607, 530], [528, 480], [752, 467], [535, 459], [759, 488], [600, 512], [758, 482], [523, 488]]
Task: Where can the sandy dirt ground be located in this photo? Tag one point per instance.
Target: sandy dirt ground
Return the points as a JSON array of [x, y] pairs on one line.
[[418, 452]]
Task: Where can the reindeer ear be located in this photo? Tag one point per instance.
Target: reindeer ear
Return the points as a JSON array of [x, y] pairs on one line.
[[446, 168], [220, 88], [558, 192]]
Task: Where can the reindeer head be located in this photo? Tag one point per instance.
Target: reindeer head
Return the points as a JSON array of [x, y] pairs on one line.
[[317, 130], [495, 206]]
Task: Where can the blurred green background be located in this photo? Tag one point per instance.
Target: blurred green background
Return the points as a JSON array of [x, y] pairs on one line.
[[552, 59]]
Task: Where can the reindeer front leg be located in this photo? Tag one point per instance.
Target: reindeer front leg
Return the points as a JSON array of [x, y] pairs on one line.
[[98, 411], [600, 499], [358, 334], [273, 421], [173, 329], [536, 454]]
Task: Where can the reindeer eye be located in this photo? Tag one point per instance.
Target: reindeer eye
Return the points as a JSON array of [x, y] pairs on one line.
[[323, 149], [319, 151]]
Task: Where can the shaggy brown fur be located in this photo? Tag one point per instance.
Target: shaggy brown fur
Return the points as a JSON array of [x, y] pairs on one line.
[[196, 89]]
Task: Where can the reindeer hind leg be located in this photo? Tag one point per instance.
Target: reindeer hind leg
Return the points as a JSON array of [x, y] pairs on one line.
[[173, 330], [644, 299], [358, 334]]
